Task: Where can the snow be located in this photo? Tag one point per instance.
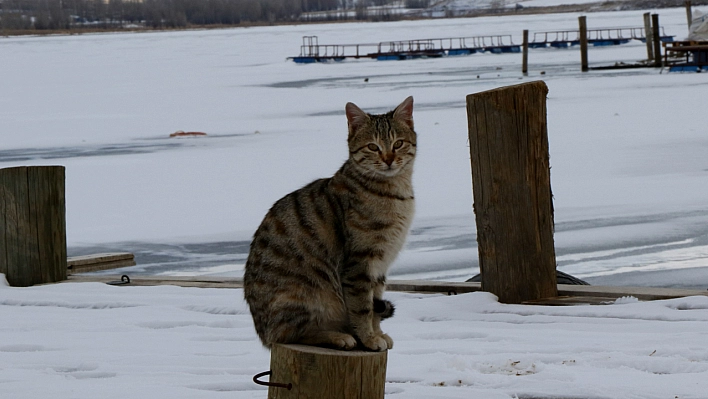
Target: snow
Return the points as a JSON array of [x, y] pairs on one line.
[[87, 340]]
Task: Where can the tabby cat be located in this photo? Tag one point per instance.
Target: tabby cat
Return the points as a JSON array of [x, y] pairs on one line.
[[316, 271]]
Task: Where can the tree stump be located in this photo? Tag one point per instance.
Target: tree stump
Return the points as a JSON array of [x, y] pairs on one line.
[[317, 373], [32, 225]]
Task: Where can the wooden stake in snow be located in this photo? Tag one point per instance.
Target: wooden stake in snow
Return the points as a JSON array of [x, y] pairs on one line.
[[512, 191], [300, 371], [525, 56], [689, 14], [656, 40], [582, 22], [32, 225], [649, 36]]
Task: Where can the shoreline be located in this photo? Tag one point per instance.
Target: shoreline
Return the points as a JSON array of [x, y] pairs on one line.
[[599, 6]]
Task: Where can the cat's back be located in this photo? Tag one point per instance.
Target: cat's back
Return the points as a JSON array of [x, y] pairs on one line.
[[304, 224], [291, 277]]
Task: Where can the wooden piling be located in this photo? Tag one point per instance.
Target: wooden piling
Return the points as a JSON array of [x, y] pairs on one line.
[[32, 225], [689, 14], [583, 43], [649, 36], [512, 191], [525, 49], [656, 40], [326, 373]]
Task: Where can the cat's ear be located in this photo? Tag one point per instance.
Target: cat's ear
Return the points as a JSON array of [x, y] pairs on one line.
[[355, 116], [404, 112]]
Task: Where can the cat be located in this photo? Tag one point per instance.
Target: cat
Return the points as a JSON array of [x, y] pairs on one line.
[[316, 270]]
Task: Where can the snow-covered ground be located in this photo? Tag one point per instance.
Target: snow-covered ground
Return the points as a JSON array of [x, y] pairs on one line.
[[629, 171], [89, 340]]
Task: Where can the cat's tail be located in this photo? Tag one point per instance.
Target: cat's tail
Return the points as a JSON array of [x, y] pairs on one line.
[[383, 308]]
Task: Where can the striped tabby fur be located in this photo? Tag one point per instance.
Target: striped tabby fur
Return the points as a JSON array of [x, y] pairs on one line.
[[316, 271]]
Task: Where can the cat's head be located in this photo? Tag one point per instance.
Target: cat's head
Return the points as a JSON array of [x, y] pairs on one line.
[[383, 145]]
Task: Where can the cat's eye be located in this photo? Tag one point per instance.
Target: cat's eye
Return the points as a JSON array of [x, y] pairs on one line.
[[373, 147], [398, 144]]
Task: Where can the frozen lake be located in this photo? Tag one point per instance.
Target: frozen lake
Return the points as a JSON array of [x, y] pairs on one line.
[[628, 148]]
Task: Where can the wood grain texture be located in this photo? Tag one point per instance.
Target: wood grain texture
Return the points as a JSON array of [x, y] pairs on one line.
[[326, 373], [97, 262], [512, 191], [33, 238]]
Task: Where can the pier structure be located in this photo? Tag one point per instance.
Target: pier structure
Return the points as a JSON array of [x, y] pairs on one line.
[[311, 51]]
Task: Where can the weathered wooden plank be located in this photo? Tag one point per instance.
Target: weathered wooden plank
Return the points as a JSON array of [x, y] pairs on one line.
[[641, 293], [34, 228], [96, 267], [99, 258], [56, 236], [36, 210], [445, 287], [195, 281], [512, 191], [582, 292], [98, 262], [18, 232]]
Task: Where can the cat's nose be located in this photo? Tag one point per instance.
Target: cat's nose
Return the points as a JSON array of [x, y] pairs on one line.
[[388, 158]]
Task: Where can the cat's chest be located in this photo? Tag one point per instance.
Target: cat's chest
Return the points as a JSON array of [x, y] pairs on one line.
[[380, 228]]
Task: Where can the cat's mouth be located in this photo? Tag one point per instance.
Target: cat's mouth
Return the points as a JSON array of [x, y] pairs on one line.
[[389, 171]]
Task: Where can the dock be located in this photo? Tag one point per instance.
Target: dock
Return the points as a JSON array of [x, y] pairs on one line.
[[312, 51], [686, 56]]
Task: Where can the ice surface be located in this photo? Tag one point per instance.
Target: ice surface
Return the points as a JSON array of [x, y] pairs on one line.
[[629, 172]]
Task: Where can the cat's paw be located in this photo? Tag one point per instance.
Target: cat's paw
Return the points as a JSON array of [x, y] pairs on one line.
[[389, 341], [345, 342], [377, 343]]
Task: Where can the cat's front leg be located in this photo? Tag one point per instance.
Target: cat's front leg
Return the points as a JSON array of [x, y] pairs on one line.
[[383, 309], [359, 297]]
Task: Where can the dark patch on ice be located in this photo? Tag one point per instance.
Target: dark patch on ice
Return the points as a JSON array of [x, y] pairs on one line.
[[146, 145], [22, 348], [30, 154]]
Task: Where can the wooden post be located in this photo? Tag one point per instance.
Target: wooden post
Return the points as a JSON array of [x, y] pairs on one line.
[[689, 14], [512, 191], [32, 225], [648, 35], [525, 59], [583, 43], [656, 40], [326, 373]]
